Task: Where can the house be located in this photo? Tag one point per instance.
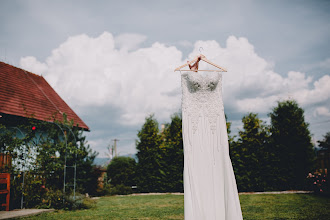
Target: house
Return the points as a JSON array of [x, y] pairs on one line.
[[24, 95], [24, 98]]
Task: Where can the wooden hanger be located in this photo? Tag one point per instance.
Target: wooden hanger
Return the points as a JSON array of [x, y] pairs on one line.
[[202, 57]]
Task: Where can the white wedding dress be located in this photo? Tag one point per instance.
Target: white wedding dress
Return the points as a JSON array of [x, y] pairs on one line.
[[210, 190]]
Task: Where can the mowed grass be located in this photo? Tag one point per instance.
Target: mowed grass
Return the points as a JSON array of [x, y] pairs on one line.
[[254, 206], [285, 206], [126, 207]]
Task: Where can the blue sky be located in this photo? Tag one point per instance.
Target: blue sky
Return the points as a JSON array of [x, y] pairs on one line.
[[113, 61]]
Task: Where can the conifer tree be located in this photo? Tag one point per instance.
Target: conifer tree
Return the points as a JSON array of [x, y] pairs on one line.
[[172, 159], [121, 171], [291, 141], [149, 172], [325, 143], [250, 155]]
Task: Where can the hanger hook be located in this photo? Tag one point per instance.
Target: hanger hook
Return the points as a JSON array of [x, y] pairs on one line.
[[200, 49]]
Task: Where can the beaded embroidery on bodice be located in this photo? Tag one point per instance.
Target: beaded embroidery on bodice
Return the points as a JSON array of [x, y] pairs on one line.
[[201, 95]]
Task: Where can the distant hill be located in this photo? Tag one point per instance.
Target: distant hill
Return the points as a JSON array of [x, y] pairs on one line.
[[104, 161]]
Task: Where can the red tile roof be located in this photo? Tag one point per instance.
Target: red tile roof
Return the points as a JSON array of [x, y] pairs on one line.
[[23, 93]]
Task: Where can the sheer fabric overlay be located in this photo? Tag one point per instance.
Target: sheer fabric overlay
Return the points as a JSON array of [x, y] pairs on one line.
[[210, 190]]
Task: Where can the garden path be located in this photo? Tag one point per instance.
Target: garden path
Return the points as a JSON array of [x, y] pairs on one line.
[[18, 213]]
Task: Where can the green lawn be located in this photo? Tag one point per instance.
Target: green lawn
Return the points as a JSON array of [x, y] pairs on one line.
[[258, 206], [285, 206]]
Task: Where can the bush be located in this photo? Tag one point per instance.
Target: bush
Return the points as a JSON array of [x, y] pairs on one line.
[[40, 155], [121, 171], [33, 194], [37, 195], [318, 182], [54, 199], [80, 202], [117, 190]]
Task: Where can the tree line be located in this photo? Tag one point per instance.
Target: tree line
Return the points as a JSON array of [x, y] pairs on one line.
[[160, 159], [265, 157]]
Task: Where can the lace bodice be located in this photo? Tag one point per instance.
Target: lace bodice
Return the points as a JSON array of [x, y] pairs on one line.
[[201, 95]]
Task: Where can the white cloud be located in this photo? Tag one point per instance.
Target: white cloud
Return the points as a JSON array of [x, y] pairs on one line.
[[321, 111], [92, 72], [89, 71], [251, 84], [129, 41], [33, 65]]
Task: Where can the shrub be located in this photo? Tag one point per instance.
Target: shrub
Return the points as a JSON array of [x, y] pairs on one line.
[[121, 190], [117, 190], [318, 182], [38, 195], [54, 199], [121, 170], [38, 157], [80, 202], [33, 194]]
